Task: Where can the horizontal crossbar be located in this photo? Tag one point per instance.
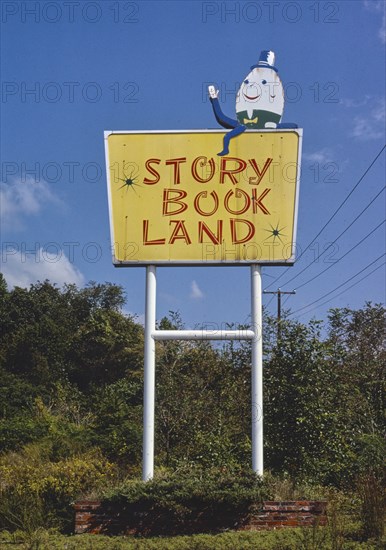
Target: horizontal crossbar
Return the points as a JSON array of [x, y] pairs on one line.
[[203, 335]]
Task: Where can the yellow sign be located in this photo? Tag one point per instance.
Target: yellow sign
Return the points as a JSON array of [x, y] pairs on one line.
[[173, 200]]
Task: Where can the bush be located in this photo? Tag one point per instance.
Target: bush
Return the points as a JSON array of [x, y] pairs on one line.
[[37, 493], [188, 501]]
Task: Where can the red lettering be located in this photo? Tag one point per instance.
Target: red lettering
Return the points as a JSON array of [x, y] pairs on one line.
[[203, 228], [184, 235], [204, 194], [256, 168], [257, 201], [238, 194], [182, 206], [176, 163], [203, 161], [152, 171], [231, 172], [145, 233], [235, 238]]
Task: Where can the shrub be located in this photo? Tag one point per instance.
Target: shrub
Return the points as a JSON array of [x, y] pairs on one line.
[[37, 493], [188, 501]]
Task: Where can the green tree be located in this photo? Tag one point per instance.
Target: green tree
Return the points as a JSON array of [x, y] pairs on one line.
[[358, 361], [297, 404], [104, 348], [57, 344], [200, 409], [117, 421]]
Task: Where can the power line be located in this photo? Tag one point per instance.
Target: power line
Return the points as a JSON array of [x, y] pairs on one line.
[[334, 214], [341, 258], [279, 294], [343, 232], [285, 300], [269, 301], [342, 284], [343, 291]]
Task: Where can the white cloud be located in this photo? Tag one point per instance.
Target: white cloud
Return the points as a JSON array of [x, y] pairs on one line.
[[368, 127], [372, 126], [22, 269], [350, 103], [378, 6], [373, 5], [382, 30], [324, 165], [195, 291], [322, 156], [23, 198]]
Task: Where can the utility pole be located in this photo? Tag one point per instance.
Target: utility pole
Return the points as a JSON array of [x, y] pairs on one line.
[[279, 293]]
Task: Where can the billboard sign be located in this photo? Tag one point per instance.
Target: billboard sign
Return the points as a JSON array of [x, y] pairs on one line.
[[174, 201]]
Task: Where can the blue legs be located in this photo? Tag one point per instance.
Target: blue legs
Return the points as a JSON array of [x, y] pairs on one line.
[[233, 133]]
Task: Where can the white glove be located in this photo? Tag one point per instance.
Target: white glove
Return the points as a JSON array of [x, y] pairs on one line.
[[213, 93]]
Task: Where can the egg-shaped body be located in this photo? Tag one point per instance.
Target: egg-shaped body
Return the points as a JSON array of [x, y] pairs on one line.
[[260, 99]]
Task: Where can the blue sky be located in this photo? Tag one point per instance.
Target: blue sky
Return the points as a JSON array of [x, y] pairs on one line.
[[71, 70]]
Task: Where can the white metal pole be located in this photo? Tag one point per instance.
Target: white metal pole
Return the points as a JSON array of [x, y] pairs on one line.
[[257, 371], [149, 375], [203, 335]]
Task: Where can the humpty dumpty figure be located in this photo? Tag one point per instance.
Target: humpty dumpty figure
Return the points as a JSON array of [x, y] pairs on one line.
[[259, 101]]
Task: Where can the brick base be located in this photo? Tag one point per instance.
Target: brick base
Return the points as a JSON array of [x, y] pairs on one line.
[[93, 516], [293, 513]]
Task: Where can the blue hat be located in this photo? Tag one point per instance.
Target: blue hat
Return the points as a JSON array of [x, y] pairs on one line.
[[266, 59]]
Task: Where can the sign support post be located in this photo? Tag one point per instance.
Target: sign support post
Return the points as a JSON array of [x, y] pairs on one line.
[[257, 370], [149, 375], [151, 335]]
